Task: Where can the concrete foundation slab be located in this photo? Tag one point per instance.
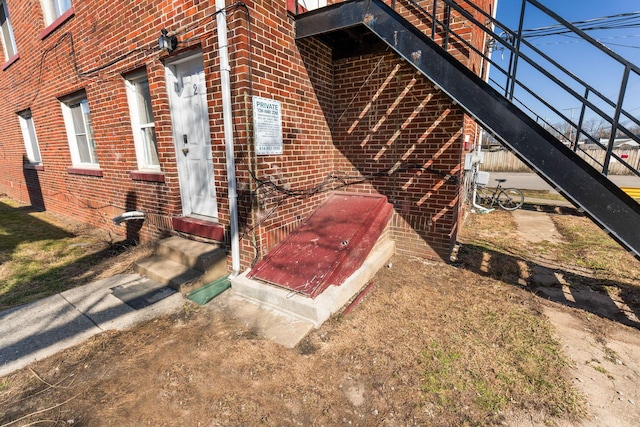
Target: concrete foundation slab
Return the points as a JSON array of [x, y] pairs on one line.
[[264, 321]]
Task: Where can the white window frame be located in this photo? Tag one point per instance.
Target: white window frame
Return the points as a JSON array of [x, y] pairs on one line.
[[29, 136], [53, 9], [6, 33], [69, 106], [146, 151], [312, 4]]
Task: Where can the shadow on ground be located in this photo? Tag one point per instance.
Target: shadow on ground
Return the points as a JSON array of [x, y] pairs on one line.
[[18, 227], [570, 286]]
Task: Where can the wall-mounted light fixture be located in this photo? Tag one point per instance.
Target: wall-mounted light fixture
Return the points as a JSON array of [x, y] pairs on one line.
[[169, 43]]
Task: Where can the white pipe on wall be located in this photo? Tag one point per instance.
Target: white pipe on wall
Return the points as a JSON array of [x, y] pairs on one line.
[[128, 216], [227, 120]]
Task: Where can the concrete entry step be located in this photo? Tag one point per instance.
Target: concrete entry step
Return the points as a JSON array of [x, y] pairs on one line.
[[170, 273], [197, 255], [184, 264]]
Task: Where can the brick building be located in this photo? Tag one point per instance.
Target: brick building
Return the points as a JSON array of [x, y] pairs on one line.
[[96, 120]]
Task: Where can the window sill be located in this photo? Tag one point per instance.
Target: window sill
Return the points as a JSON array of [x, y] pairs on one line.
[[84, 171], [147, 176], [33, 166], [11, 60], [57, 23]]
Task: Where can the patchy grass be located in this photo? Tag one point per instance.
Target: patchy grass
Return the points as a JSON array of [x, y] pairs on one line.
[[589, 246], [42, 254], [588, 255], [431, 344], [494, 354], [542, 194]]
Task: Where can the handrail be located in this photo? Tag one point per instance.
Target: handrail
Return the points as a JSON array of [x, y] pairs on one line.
[[593, 103], [513, 42]]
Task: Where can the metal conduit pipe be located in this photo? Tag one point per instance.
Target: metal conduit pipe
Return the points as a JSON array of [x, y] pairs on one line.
[[227, 120], [477, 146]]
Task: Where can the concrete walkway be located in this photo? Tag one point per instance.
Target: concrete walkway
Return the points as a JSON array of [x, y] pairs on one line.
[[42, 328], [531, 181]]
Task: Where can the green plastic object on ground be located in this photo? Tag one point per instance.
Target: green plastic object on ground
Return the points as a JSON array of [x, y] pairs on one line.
[[209, 291]]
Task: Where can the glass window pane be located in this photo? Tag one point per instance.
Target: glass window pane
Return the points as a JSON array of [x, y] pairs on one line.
[[89, 130], [33, 141], [142, 121], [144, 102], [84, 104], [6, 32], [78, 122], [83, 149], [61, 6], [150, 147], [83, 132]]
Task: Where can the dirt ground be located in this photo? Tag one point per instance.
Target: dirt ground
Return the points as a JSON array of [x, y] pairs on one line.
[[594, 314], [498, 337]]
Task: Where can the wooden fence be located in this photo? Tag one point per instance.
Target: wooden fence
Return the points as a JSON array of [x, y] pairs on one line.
[[505, 161]]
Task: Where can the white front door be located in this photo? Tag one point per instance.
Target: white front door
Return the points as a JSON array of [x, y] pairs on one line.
[[191, 135]]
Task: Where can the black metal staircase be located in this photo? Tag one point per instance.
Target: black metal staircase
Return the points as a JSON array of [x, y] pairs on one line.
[[605, 203]]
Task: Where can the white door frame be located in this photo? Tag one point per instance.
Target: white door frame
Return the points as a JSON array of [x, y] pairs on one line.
[[192, 136]]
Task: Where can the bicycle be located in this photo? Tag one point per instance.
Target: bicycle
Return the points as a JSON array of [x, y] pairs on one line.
[[508, 199]]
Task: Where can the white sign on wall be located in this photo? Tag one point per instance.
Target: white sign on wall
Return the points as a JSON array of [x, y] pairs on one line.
[[267, 126]]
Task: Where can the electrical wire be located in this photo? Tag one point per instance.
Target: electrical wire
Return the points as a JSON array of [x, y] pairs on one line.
[[612, 22], [336, 180]]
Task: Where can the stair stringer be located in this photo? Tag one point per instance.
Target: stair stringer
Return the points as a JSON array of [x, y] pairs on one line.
[[606, 204]]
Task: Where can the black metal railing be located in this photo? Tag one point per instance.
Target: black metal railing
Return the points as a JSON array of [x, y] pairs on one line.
[[545, 79]]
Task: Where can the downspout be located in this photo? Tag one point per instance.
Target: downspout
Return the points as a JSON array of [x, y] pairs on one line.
[[478, 140], [227, 120]]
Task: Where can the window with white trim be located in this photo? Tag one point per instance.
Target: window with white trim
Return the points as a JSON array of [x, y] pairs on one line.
[[6, 32], [312, 4], [144, 132], [53, 9], [77, 120], [29, 137]]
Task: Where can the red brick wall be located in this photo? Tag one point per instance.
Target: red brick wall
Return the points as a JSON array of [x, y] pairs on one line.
[[280, 71], [90, 52], [389, 117], [104, 40]]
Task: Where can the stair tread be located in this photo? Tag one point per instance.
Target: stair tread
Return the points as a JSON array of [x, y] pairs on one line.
[[189, 246], [167, 271], [197, 255]]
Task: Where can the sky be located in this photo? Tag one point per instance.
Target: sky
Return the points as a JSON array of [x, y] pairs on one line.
[[578, 56]]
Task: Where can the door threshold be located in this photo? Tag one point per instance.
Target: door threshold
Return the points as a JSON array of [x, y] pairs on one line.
[[197, 226]]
